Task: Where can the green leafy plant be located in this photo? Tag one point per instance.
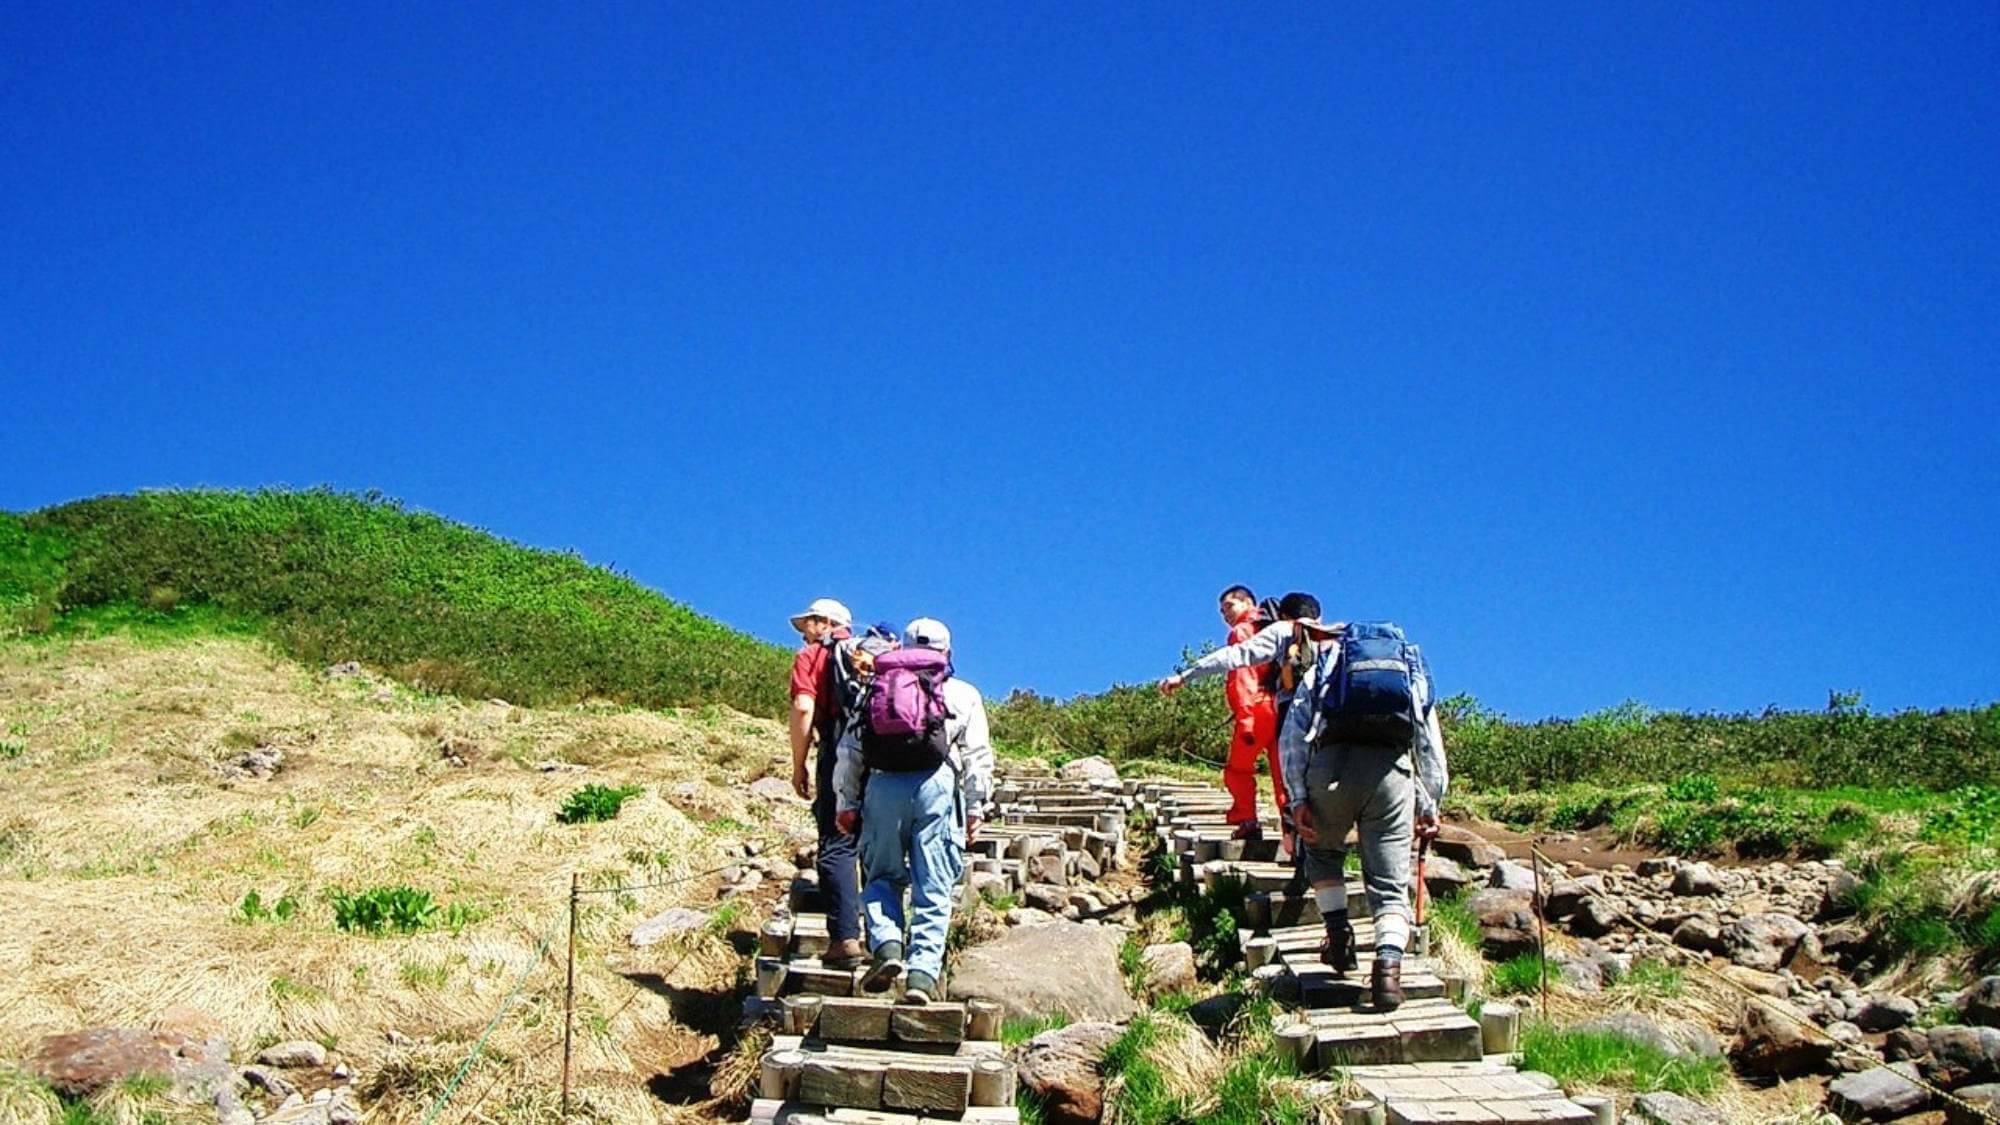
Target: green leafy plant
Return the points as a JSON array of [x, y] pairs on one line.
[[251, 907], [380, 910], [596, 803]]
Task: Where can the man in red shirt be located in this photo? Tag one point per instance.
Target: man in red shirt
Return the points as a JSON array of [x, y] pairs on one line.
[[1254, 732], [816, 720]]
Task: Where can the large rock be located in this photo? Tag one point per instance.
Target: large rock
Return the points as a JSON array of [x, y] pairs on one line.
[[1973, 1105], [1683, 1041], [1060, 1068], [1169, 967], [1764, 941], [776, 790], [80, 1063], [1511, 876], [293, 1053], [1444, 877], [1664, 1108], [1877, 1094], [1566, 895], [1089, 769], [1506, 921], [1699, 932], [1981, 1003], [1962, 1054], [1465, 846], [1041, 970], [1594, 918], [1772, 1041], [1696, 879], [1883, 1012], [676, 920]]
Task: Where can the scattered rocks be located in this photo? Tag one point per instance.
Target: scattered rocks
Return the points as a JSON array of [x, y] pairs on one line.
[[1046, 897], [1060, 1068], [1877, 1094], [457, 752], [260, 764], [677, 920], [270, 1081], [1169, 967], [345, 670], [1038, 970], [555, 766]]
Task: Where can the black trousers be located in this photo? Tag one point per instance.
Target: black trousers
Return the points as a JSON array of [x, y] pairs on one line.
[[839, 854]]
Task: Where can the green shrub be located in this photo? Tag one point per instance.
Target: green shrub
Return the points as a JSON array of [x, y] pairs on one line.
[[331, 577], [1969, 815], [1520, 975], [378, 910], [595, 802]]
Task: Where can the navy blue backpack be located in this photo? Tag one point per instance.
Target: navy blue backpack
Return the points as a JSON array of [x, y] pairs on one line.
[[1371, 697]]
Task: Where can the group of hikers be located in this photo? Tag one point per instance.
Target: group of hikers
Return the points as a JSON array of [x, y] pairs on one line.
[[1343, 712]]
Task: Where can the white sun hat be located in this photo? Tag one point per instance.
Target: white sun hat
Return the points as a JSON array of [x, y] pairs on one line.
[[824, 607]]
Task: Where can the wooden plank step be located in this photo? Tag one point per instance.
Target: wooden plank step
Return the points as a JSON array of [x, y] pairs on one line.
[[765, 1111], [1488, 1113], [868, 1019], [1475, 1088]]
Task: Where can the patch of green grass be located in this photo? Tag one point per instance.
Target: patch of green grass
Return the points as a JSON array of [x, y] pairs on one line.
[[1132, 961], [596, 803], [1450, 915], [1144, 1099], [1655, 980], [330, 576], [1018, 1030], [380, 910], [1029, 1106], [1520, 975], [1252, 1092], [419, 977], [252, 909], [1602, 1058], [285, 988]]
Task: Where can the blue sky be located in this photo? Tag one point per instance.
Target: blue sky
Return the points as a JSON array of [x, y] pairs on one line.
[[1619, 351]]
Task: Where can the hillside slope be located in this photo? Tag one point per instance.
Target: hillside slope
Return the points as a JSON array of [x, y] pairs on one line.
[[332, 577]]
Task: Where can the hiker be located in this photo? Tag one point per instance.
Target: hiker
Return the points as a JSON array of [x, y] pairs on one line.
[[819, 672], [1362, 750], [915, 769], [1262, 662]]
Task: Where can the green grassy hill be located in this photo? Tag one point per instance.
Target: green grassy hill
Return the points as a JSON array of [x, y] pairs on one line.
[[332, 577]]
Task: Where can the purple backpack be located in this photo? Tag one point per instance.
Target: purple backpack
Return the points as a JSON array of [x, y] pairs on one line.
[[903, 723]]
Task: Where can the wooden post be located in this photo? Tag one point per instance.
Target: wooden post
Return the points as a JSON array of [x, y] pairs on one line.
[[1267, 980], [1205, 849], [993, 1082], [1362, 1111], [770, 977], [1231, 850], [775, 938], [1499, 1029], [1258, 951], [1454, 987], [1295, 1042], [982, 1021], [778, 1074], [569, 989], [1541, 928], [1603, 1110], [802, 1012]]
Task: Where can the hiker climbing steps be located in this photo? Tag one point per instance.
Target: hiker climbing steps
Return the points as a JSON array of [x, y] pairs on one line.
[[1425, 1062], [841, 1056]]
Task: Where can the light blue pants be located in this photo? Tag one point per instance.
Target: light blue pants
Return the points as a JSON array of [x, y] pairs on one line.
[[912, 839]]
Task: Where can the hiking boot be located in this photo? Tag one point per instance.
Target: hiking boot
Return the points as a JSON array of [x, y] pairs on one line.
[[844, 955], [888, 965], [1387, 985], [1337, 951], [921, 989]]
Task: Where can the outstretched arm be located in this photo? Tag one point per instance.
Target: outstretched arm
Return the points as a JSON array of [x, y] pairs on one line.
[[1262, 647]]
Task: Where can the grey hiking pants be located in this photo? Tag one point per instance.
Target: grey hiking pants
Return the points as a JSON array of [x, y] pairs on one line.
[[1368, 789]]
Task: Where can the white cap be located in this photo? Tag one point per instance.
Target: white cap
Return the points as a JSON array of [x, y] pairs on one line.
[[824, 607], [927, 632]]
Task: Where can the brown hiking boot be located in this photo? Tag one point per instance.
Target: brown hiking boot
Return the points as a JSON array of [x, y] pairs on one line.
[[1388, 985], [1336, 951]]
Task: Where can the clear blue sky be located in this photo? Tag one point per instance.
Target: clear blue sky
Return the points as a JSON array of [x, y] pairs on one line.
[[1619, 351]]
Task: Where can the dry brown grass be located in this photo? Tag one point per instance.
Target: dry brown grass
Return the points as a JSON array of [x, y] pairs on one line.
[[124, 855]]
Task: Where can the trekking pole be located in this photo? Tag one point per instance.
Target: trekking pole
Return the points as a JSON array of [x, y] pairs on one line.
[[569, 989]]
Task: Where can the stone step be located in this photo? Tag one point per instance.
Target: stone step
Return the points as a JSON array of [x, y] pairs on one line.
[[1345, 1037], [766, 1111], [1412, 1112]]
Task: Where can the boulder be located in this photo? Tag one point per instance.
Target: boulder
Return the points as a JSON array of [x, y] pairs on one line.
[[1883, 1012], [1962, 1054], [1594, 918], [676, 920], [1060, 1068], [1566, 895], [1845, 942], [1877, 1094], [1761, 983], [1169, 967], [1506, 921], [1973, 1105], [1048, 869], [1445, 877], [1684, 1041], [1772, 1041], [1095, 768], [293, 1053], [1763, 941], [1906, 1043], [1700, 932], [80, 1063], [990, 885], [1465, 846], [1838, 902], [1044, 897], [1044, 969], [1511, 876], [775, 790], [1028, 916], [1981, 1003], [1664, 1108], [1696, 879], [1657, 865], [1087, 867]]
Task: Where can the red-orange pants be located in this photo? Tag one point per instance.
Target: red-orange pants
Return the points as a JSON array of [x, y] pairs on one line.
[[1254, 735]]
